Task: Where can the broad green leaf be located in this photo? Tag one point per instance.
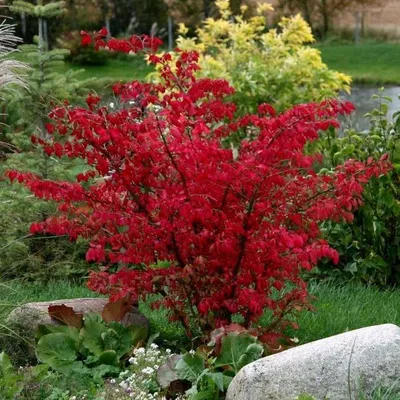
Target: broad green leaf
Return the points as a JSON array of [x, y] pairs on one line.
[[103, 370], [233, 347], [109, 357], [6, 367], [208, 394], [123, 337], [218, 379], [68, 330], [387, 198], [253, 352], [190, 367], [92, 332], [57, 350], [138, 333]]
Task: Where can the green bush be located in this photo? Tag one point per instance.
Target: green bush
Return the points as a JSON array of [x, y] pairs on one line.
[[369, 247], [40, 258], [24, 256], [264, 65]]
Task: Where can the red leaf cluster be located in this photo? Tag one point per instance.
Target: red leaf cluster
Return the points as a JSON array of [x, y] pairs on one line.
[[237, 227], [134, 44]]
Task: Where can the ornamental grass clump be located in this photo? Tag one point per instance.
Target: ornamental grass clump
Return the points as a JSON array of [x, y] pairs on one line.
[[233, 231]]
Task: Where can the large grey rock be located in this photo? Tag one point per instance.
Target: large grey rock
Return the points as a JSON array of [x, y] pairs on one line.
[[31, 315], [330, 368]]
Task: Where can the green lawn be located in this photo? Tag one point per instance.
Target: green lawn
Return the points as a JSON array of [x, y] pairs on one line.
[[115, 69], [365, 63], [125, 68]]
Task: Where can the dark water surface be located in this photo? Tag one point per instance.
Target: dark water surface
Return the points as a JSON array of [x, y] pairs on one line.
[[361, 97]]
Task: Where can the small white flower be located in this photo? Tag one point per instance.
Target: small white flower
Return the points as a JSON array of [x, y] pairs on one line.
[[131, 360], [112, 381], [139, 351], [148, 370], [153, 346], [192, 352]]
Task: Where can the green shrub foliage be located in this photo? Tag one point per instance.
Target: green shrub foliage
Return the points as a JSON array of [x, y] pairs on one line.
[[370, 246]]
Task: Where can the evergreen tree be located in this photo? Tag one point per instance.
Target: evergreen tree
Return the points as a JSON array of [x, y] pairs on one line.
[[46, 86], [23, 255]]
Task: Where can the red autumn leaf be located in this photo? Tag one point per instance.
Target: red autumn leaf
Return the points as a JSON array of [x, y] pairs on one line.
[[116, 310], [66, 315]]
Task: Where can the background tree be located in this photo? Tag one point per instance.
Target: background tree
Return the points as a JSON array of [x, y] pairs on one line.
[[319, 13], [22, 255], [192, 12], [11, 71]]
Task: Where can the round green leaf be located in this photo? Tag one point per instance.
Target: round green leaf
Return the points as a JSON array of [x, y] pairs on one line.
[[57, 350]]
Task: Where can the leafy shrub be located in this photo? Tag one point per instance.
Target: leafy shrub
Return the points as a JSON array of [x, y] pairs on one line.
[[13, 383], [263, 66], [139, 380], [25, 256], [22, 256], [235, 229], [94, 346], [369, 247], [210, 369]]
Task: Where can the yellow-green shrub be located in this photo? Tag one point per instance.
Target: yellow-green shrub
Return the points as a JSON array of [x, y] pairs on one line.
[[273, 66]]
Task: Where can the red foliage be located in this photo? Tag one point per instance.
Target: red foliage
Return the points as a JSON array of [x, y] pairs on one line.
[[237, 230], [133, 44]]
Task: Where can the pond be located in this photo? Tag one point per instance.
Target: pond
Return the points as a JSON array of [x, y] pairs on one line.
[[361, 97]]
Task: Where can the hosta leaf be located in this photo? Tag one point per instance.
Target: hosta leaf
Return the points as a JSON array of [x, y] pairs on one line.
[[189, 367], [233, 347], [123, 337], [68, 330], [92, 334], [109, 357], [57, 350], [138, 334], [253, 352]]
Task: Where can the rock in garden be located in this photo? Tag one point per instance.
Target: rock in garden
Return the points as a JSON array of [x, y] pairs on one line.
[[30, 315], [335, 368]]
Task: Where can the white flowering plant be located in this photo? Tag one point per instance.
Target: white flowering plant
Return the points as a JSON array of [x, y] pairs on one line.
[[205, 373], [139, 381]]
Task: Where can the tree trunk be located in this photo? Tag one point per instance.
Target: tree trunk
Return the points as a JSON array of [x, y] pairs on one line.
[[307, 12], [108, 26], [45, 35], [207, 8], [325, 18], [357, 29], [170, 34], [23, 26]]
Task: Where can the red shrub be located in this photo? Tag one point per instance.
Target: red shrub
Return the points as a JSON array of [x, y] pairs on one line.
[[236, 230]]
